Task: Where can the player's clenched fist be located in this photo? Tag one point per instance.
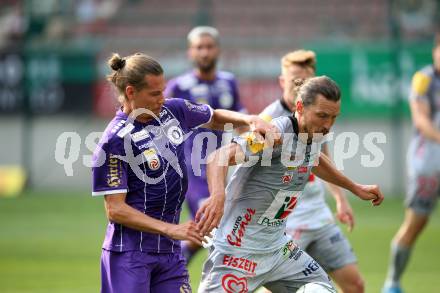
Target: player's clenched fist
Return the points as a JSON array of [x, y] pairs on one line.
[[369, 192]]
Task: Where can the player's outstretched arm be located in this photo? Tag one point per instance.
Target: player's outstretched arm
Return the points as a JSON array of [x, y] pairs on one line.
[[326, 171], [119, 212], [221, 117], [344, 212], [211, 211]]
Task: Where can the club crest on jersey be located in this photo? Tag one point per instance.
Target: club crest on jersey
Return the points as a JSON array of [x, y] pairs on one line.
[[286, 178], [152, 159], [175, 134], [288, 175], [281, 207]]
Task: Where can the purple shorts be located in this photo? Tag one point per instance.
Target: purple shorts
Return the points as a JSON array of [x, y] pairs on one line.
[[135, 271]]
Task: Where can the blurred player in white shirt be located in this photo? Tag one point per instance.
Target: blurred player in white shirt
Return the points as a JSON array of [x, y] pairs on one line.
[[423, 164]]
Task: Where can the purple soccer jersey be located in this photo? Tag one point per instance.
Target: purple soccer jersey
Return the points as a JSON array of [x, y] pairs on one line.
[[146, 161], [220, 93]]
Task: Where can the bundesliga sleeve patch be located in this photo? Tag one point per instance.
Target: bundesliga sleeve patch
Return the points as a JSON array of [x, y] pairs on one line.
[[420, 83]]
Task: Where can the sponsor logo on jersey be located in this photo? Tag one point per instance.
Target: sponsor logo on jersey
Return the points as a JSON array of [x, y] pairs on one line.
[[162, 113], [152, 159], [145, 145], [292, 251], [280, 208], [234, 238], [313, 266], [303, 169], [117, 126], [233, 284], [114, 171], [240, 263], [124, 131], [140, 135]]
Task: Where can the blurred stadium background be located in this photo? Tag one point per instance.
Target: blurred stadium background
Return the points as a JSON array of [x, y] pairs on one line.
[[52, 67]]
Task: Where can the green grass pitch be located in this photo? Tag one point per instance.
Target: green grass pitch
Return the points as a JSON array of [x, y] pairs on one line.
[[50, 242]]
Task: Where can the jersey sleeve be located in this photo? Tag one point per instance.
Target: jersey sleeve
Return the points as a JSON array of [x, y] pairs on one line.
[[109, 173], [420, 85], [193, 115]]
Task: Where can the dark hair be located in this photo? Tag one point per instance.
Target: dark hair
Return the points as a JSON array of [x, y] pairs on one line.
[[131, 70], [319, 85]]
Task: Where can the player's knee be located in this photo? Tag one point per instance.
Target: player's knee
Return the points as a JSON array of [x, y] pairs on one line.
[[356, 286], [407, 235], [360, 285]]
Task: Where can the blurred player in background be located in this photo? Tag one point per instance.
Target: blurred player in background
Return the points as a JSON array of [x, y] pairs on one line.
[[140, 169], [204, 84], [423, 163], [250, 247], [312, 226]]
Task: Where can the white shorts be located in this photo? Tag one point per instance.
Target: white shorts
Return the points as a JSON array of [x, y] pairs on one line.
[[328, 245], [284, 270]]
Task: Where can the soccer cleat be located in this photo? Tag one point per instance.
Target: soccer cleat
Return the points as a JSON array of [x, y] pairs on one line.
[[392, 289]]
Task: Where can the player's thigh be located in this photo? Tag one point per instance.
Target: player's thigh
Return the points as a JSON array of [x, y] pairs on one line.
[[170, 274], [294, 268], [122, 272], [331, 248], [422, 193], [231, 273]]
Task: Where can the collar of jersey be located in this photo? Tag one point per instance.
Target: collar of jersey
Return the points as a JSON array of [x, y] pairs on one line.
[[283, 103]]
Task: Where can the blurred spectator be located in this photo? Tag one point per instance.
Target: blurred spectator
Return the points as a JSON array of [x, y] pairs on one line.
[[12, 24]]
